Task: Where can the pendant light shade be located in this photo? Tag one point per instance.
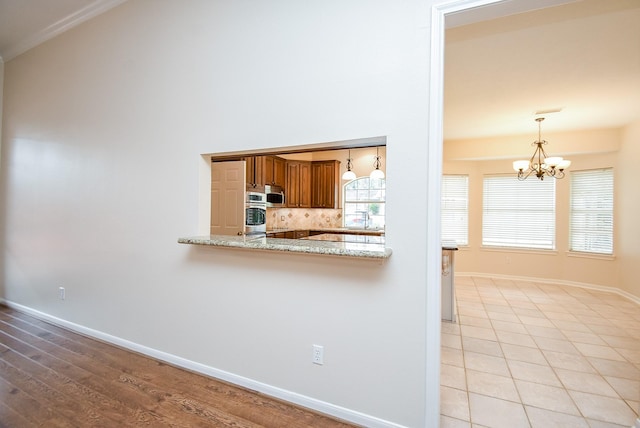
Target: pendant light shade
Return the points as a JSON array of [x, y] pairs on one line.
[[348, 174], [377, 173]]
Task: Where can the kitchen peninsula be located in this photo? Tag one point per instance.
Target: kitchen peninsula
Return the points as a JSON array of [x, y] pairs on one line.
[[355, 245]]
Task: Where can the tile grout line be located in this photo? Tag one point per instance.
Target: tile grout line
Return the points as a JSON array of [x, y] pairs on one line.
[[488, 296]]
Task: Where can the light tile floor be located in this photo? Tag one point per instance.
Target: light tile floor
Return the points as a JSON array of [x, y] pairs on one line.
[[526, 354]]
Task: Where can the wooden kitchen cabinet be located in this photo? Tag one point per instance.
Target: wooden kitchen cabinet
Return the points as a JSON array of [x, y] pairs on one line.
[[275, 171], [298, 184], [262, 170], [255, 171], [277, 235], [324, 181], [279, 172]]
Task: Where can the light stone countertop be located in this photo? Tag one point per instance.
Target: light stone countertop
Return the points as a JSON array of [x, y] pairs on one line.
[[345, 249]]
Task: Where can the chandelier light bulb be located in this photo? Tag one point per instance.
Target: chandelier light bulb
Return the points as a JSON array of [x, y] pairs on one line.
[[349, 175], [564, 164], [376, 174]]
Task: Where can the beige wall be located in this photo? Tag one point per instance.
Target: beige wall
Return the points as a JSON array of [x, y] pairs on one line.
[[628, 204], [617, 271]]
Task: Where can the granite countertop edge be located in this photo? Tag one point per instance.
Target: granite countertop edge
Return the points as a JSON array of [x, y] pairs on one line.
[[374, 251]]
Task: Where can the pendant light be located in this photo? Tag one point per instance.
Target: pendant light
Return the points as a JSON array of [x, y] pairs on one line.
[[377, 173], [348, 174]]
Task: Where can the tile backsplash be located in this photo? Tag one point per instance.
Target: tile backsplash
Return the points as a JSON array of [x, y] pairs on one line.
[[303, 218]]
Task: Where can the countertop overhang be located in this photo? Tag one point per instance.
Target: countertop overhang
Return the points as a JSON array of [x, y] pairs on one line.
[[344, 249]]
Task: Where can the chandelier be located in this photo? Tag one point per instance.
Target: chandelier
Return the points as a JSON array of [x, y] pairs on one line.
[[540, 164]]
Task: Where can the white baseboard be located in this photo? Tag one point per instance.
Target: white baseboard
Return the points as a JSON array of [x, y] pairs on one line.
[[626, 295], [279, 393]]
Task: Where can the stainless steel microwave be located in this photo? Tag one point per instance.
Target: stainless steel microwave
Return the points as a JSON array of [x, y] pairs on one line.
[[275, 196]]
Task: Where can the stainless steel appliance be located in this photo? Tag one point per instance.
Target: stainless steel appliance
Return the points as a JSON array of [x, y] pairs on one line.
[[447, 281], [255, 213], [275, 196]]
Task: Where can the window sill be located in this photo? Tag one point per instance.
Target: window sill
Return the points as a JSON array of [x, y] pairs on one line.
[[519, 250], [596, 256]]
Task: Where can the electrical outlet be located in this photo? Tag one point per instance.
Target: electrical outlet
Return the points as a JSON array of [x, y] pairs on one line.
[[61, 293], [318, 354]]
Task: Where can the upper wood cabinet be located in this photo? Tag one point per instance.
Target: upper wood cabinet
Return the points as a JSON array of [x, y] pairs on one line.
[[306, 184], [255, 173], [263, 170], [275, 171], [324, 181], [298, 184]]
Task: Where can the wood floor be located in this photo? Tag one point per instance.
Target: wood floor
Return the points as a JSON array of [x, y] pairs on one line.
[[52, 377]]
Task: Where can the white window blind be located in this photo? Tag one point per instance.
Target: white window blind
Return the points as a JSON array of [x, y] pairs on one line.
[[519, 213], [591, 221], [455, 209]]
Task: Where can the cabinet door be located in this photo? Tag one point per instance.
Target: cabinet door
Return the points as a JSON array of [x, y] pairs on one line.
[[267, 163], [259, 171], [317, 182], [279, 171], [305, 185], [331, 176], [298, 188], [301, 234], [250, 165], [255, 170], [292, 189], [324, 184]]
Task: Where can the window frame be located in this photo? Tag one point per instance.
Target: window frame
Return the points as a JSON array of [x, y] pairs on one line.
[[594, 201], [455, 204], [369, 202], [515, 217]]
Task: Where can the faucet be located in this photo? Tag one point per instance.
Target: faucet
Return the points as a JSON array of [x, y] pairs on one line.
[[365, 218]]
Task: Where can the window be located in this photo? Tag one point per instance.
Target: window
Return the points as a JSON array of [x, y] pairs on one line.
[[591, 224], [518, 213], [455, 209], [364, 203]]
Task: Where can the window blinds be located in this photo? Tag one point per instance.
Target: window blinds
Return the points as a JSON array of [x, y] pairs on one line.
[[591, 220], [518, 213], [455, 209]]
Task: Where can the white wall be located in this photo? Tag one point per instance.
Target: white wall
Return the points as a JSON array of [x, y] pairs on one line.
[[104, 128]]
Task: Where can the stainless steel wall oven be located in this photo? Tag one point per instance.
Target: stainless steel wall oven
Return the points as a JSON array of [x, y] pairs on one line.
[[255, 213]]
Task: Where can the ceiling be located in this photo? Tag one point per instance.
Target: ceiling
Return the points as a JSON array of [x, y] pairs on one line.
[[27, 23], [582, 57]]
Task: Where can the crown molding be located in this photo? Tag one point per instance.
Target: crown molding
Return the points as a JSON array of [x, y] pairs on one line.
[[93, 9]]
